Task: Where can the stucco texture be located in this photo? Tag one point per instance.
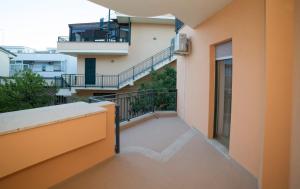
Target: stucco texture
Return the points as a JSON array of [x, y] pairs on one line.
[[243, 22], [295, 152]]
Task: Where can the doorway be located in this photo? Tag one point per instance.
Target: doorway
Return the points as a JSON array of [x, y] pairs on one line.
[[223, 93], [223, 101], [90, 71]]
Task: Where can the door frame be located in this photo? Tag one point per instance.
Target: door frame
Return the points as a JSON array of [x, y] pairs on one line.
[[212, 64]]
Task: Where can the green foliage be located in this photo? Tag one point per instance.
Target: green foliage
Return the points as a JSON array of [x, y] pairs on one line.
[[157, 94], [164, 80], [25, 90]]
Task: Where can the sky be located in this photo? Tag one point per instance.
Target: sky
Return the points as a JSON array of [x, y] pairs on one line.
[[37, 24]]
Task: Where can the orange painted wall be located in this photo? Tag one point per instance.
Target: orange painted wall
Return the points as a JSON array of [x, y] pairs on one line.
[[295, 152], [52, 171], [279, 88], [42, 143], [243, 21]]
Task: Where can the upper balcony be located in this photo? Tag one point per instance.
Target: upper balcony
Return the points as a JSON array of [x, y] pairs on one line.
[[101, 38]]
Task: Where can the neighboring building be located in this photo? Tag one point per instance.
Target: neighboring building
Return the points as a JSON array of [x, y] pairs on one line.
[[112, 55], [240, 83], [19, 49], [5, 57], [46, 63]]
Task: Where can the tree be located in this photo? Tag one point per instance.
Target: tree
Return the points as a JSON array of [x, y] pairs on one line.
[[157, 94], [25, 90], [165, 80]]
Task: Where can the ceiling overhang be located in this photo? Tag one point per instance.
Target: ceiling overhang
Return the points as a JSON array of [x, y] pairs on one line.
[[191, 12]]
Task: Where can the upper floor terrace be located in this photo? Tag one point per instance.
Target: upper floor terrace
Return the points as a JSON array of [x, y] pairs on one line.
[[114, 36], [99, 38]]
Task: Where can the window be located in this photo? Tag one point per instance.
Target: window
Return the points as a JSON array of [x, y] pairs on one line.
[[57, 67]]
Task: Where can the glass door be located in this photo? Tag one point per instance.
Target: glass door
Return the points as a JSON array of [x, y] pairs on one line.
[[223, 99]]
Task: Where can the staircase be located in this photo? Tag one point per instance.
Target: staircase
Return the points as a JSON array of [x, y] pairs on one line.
[[123, 79]]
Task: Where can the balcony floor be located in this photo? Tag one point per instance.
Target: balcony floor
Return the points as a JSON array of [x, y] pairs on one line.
[[164, 153]]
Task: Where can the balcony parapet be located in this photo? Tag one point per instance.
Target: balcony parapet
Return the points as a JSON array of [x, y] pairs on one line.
[[93, 48], [45, 144]]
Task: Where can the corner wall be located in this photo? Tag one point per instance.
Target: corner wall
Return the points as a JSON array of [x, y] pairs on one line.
[[279, 93], [295, 152], [243, 21]]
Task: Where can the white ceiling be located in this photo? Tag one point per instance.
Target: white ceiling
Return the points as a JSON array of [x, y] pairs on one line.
[[191, 12]]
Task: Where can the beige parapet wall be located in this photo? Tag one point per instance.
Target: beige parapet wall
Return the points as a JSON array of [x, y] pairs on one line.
[[42, 155]]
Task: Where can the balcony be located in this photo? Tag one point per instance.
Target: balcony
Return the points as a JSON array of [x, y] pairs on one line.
[[118, 81], [164, 152], [91, 48], [156, 148], [100, 38]]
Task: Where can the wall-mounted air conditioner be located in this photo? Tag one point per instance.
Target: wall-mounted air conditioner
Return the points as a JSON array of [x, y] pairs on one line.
[[182, 44]]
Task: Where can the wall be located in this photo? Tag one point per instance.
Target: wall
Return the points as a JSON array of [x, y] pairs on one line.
[[4, 64], [295, 152], [142, 47], [279, 87], [243, 22], [47, 173]]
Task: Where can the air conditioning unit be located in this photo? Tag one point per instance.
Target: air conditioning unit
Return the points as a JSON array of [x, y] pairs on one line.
[[182, 44]]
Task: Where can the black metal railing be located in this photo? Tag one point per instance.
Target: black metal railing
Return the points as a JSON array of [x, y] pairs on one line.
[[78, 80], [107, 32], [117, 81], [135, 104]]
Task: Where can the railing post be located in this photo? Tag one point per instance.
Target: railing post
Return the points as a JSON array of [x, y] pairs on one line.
[[176, 98], [170, 55], [133, 73], [102, 83], [62, 82], [118, 81], [70, 82], [153, 101], [117, 120], [152, 63]]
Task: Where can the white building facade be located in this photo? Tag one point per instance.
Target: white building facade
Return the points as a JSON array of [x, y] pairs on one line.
[[45, 63], [114, 54], [5, 57]]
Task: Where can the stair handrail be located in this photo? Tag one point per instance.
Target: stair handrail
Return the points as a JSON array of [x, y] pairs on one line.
[[132, 72]]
